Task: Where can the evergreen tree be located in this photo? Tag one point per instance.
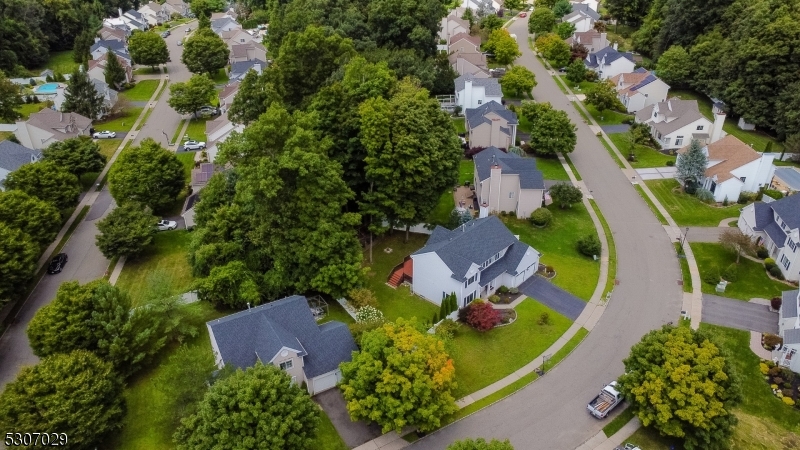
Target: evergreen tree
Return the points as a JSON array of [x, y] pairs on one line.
[[114, 72], [81, 96], [692, 164]]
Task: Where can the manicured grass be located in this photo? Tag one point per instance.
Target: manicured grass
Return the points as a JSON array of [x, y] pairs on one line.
[[142, 91], [459, 123], [147, 71], [607, 117], [26, 109], [108, 147], [785, 163], [221, 77], [649, 439], [327, 437], [177, 135], [524, 124], [751, 282], [336, 312], [441, 213], [686, 209], [481, 358], [167, 253], [758, 139], [687, 277], [618, 422], [5, 135], [196, 130], [580, 88], [567, 348], [612, 250], [551, 169], [466, 172], [398, 302], [60, 62], [652, 206], [122, 123], [557, 242], [187, 159], [645, 156], [575, 172]]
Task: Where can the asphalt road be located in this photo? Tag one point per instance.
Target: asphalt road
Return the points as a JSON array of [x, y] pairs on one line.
[[86, 263], [551, 413]]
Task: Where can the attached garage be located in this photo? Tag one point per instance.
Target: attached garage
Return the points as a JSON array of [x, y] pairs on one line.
[[324, 382]]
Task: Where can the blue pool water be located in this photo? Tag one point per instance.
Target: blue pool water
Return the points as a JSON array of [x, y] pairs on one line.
[[49, 88]]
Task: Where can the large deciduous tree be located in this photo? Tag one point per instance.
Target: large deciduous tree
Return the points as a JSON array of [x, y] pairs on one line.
[[576, 71], [148, 49], [412, 155], [518, 81], [557, 52], [81, 97], [562, 8], [79, 155], [232, 286], [603, 96], [188, 97], [552, 132], [680, 382], [183, 380], [392, 357], [399, 24], [691, 165], [10, 99], [629, 11], [126, 231], [205, 52], [542, 20], [18, 256], [148, 174], [47, 181], [255, 94], [35, 217], [503, 46], [674, 67], [565, 29], [565, 194], [256, 408], [76, 393]]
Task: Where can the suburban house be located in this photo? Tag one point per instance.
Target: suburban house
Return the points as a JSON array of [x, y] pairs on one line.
[[451, 26], [639, 88], [13, 156], [675, 123], [177, 7], [491, 125], [472, 63], [227, 94], [224, 24], [608, 62], [471, 261], [237, 36], [473, 91], [734, 167], [155, 13], [591, 4], [110, 97], [217, 132], [789, 330], [138, 17], [593, 40], [786, 180], [284, 333], [48, 126], [239, 69], [582, 16], [229, 13], [97, 67], [246, 52], [112, 34], [464, 43], [101, 47], [488, 6], [776, 226], [505, 182]]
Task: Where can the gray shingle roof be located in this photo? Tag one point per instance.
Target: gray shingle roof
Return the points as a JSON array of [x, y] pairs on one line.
[[13, 155], [529, 176], [110, 45], [586, 10], [240, 68], [218, 24], [764, 215], [788, 208], [491, 85], [508, 263], [610, 55], [775, 233], [260, 333], [477, 116], [791, 336], [472, 243], [789, 303]]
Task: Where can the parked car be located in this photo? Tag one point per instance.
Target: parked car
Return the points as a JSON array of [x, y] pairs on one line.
[[523, 14], [194, 145], [180, 43], [562, 69], [166, 225], [208, 110], [605, 401], [57, 264], [165, 34], [104, 135], [188, 29]]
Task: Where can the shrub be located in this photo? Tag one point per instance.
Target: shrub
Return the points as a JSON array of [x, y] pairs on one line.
[[503, 213], [361, 297], [513, 291], [774, 371], [725, 201], [482, 316], [589, 245], [777, 195], [746, 197], [711, 276], [776, 302], [787, 385], [544, 318], [494, 298], [541, 217], [731, 273], [704, 195], [769, 263], [788, 401], [778, 381], [670, 163], [762, 252], [369, 314], [787, 393], [775, 271], [771, 342], [763, 368], [447, 329], [502, 290]]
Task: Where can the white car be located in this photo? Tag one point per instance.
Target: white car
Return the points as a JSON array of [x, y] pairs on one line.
[[104, 135], [166, 225], [194, 145]]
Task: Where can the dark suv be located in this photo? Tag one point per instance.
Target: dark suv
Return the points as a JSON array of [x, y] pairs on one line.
[[57, 264]]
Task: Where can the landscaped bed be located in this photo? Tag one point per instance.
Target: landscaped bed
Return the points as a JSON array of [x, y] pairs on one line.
[[687, 210], [752, 280], [645, 156]]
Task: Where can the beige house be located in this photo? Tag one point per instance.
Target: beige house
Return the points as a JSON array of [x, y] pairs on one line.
[[97, 68], [593, 40], [109, 34], [639, 89], [505, 182], [491, 125], [236, 37], [464, 43], [247, 52], [472, 63], [227, 94], [48, 126], [451, 26]]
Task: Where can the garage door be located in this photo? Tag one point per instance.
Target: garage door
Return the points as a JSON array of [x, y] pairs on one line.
[[327, 381]]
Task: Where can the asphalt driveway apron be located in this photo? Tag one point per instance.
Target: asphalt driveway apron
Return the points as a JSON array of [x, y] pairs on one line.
[[739, 314], [552, 296], [353, 433]]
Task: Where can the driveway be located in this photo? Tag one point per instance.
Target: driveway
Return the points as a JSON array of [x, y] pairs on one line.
[[738, 314], [551, 412], [705, 234], [657, 173], [610, 129], [353, 433], [552, 296]]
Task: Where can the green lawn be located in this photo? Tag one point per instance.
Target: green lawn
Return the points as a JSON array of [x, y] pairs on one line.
[[441, 213], [196, 130], [141, 91], [607, 117], [108, 147], [757, 138], [551, 169], [459, 123], [187, 159], [26, 109], [580, 88], [645, 156], [576, 273], [167, 253], [221, 77], [5, 135], [752, 281], [398, 302], [336, 312], [612, 250], [618, 422], [60, 62], [685, 274], [123, 123], [483, 358], [327, 436], [575, 172], [466, 171], [686, 209]]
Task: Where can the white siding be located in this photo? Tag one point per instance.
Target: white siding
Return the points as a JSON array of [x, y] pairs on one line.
[[432, 277], [324, 382], [215, 349]]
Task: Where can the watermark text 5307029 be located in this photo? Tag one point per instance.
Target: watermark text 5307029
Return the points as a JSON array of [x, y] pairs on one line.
[[36, 439]]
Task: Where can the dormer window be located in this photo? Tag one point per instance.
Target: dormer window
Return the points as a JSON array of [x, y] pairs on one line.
[[286, 365]]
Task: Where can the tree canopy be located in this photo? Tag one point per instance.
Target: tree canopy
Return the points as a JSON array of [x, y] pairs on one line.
[[126, 231], [114, 73], [542, 20], [552, 131], [518, 81], [691, 164], [148, 49], [603, 96], [188, 97], [503, 46], [18, 256], [565, 194], [79, 155], [205, 52], [81, 97], [35, 217], [480, 444], [10, 99], [47, 181], [674, 66], [148, 174], [255, 94]]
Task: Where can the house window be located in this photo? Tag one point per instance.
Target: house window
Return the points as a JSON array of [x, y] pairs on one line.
[[792, 245], [511, 194], [286, 365], [743, 178], [655, 114], [679, 140], [470, 297], [700, 128], [480, 101], [666, 141], [785, 261]]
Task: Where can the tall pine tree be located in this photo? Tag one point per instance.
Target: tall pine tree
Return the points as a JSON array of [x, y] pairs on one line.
[[81, 96], [691, 165], [114, 72]]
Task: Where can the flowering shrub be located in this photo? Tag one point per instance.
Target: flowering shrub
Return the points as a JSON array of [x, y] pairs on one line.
[[482, 316], [369, 314]]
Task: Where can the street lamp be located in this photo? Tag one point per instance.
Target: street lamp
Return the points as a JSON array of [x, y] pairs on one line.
[[684, 236]]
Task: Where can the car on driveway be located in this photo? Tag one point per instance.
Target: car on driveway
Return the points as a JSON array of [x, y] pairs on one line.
[[208, 110], [194, 145], [57, 264], [523, 14], [166, 225], [104, 135]]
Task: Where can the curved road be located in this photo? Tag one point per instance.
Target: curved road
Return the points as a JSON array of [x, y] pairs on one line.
[[551, 413]]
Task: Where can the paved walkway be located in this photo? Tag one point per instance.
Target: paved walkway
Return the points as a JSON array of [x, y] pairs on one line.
[[552, 296], [737, 314], [657, 173]]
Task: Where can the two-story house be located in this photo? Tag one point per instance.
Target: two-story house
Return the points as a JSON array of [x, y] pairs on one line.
[[789, 329], [505, 182], [675, 123], [471, 261], [224, 24], [464, 43], [609, 62], [48, 126], [582, 16], [155, 13], [451, 26], [97, 68], [284, 333], [13, 156], [639, 88], [593, 40], [470, 63], [101, 47], [776, 226], [491, 125], [247, 52], [473, 91]]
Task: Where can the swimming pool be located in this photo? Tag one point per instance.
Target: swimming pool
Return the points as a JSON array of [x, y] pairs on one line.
[[48, 88]]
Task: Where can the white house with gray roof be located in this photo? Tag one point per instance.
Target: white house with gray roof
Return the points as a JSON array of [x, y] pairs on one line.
[[473, 91], [491, 125], [471, 261], [776, 226], [582, 16], [609, 62], [789, 329], [505, 182], [284, 333], [13, 156], [48, 126], [675, 123]]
